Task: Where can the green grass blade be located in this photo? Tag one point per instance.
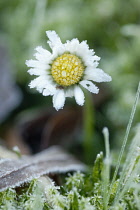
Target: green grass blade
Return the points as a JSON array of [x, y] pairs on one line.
[[126, 137]]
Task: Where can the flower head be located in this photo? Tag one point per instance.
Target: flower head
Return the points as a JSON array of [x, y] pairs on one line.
[[66, 70]]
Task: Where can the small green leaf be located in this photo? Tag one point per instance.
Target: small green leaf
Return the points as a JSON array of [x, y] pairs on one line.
[[97, 168]]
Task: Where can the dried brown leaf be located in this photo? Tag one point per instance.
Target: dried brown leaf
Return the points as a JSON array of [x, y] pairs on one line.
[[13, 173]]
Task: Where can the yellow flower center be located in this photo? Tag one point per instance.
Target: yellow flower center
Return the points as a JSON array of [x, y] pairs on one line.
[[67, 69]]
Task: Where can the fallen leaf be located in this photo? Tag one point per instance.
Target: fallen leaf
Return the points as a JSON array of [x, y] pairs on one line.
[[14, 173]]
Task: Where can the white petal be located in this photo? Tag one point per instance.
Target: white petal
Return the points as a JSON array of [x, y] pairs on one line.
[[85, 46], [49, 90], [97, 75], [96, 58], [87, 54], [55, 44], [59, 99], [69, 92], [42, 55], [79, 95], [57, 51], [43, 51], [34, 82], [40, 82], [46, 92], [72, 46], [35, 64], [43, 59], [37, 71], [54, 39], [84, 51], [89, 86]]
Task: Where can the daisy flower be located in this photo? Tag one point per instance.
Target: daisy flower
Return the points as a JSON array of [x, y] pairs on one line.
[[66, 70]]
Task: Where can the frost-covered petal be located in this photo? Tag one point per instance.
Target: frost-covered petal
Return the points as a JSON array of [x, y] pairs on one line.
[[84, 50], [72, 46], [40, 82], [54, 39], [69, 92], [49, 90], [43, 55], [36, 71], [35, 64], [43, 59], [79, 95], [87, 55], [59, 99], [97, 75], [55, 44], [43, 51], [89, 86], [34, 83]]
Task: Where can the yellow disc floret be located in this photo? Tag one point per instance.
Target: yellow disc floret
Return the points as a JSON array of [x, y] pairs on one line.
[[67, 69]]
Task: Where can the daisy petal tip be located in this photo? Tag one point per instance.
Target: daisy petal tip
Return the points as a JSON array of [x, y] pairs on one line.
[[30, 85], [53, 36], [79, 96], [89, 86], [38, 48], [57, 107], [81, 104], [27, 62], [59, 100], [46, 93], [109, 78], [50, 32], [97, 91], [97, 58], [29, 71]]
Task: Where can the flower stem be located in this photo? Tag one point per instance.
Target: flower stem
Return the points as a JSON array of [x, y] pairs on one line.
[[88, 124]]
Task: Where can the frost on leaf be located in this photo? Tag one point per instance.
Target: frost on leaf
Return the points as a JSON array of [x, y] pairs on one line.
[[13, 173], [98, 165]]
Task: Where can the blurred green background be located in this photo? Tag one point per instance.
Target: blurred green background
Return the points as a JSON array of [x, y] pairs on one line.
[[111, 28]]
